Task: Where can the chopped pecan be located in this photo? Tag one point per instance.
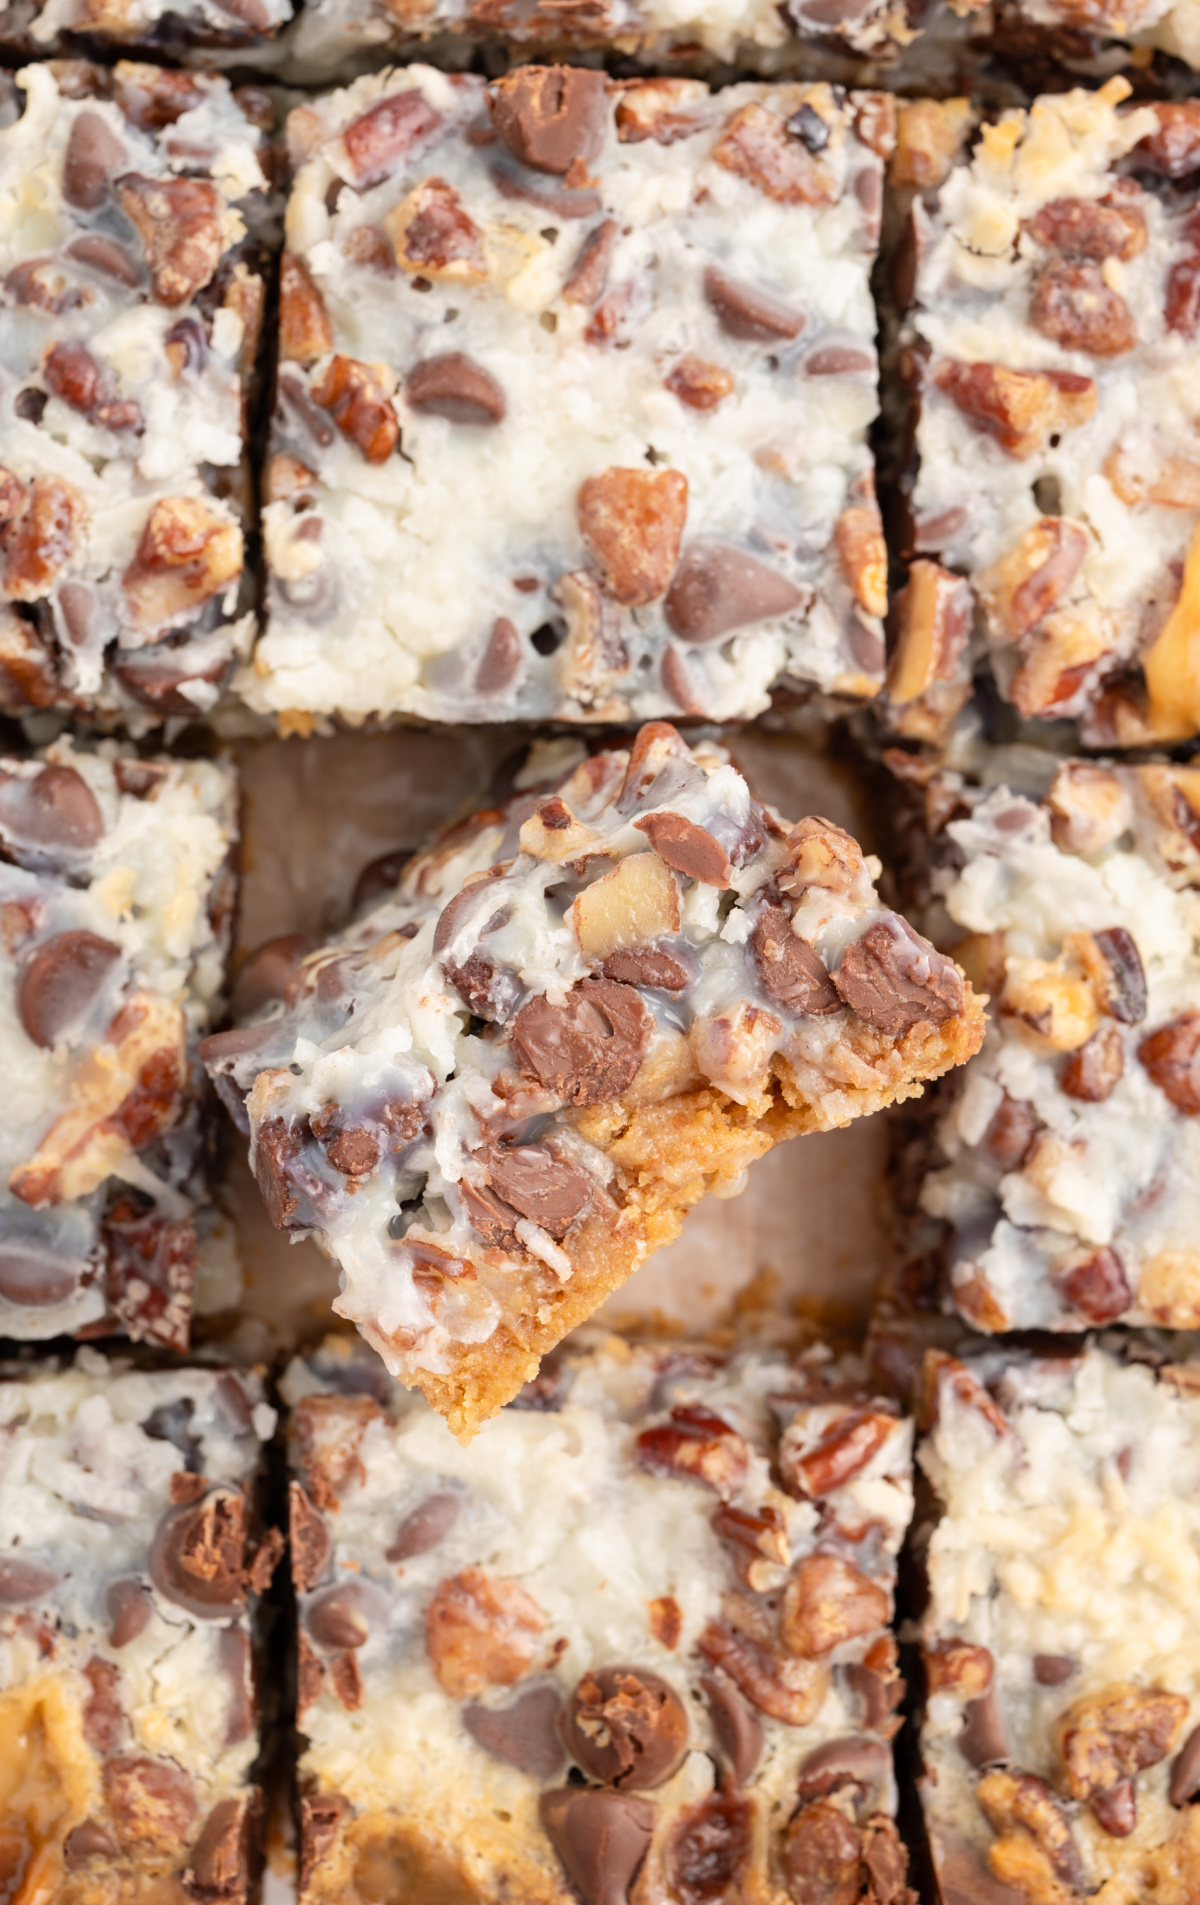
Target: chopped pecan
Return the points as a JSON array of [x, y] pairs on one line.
[[929, 138], [1034, 576], [433, 236], [1174, 149], [305, 332], [330, 1430], [188, 551], [1113, 1735], [842, 1452], [822, 1856], [1094, 1069], [661, 109], [1054, 1001], [959, 1666], [1022, 1804], [588, 276], [1172, 1057], [360, 405], [387, 132], [481, 1632], [632, 522], [1059, 657], [29, 676], [697, 1444], [828, 1601], [594, 658], [73, 374], [932, 622], [1097, 1287], [1089, 808], [761, 148], [787, 1690], [1074, 305], [1021, 409], [863, 553], [633, 905], [697, 383], [1174, 482], [39, 522], [1181, 302], [1089, 228], [179, 223]]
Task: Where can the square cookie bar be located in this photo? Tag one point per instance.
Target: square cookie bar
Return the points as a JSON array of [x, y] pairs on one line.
[[1052, 272], [496, 1094], [115, 900], [129, 1720], [1061, 1734], [1060, 1184], [574, 390], [633, 1643], [132, 293]]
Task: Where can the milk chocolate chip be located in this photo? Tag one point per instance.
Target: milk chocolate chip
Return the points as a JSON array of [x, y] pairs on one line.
[[748, 312], [549, 116], [500, 662], [982, 1740], [528, 1179], [53, 816], [429, 1523], [791, 970], [525, 1735], [36, 1277], [690, 849], [649, 966], [341, 1616], [94, 155], [738, 1731], [718, 589], [218, 1866], [198, 1556], [589, 1048], [858, 1763], [60, 982], [601, 1838], [88, 1841], [308, 1538], [1185, 1773], [894, 979], [127, 1601], [23, 1578], [268, 969], [627, 1727], [454, 386]]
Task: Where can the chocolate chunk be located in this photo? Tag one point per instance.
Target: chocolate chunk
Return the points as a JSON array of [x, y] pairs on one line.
[[345, 1680], [1126, 991], [718, 589], [94, 155], [161, 675], [322, 1816], [601, 1838], [354, 1150], [748, 312], [218, 1866], [738, 1731], [858, 1763], [454, 386], [102, 1717], [588, 276], [129, 1607], [24, 1578], [88, 1841], [233, 1652], [60, 982], [428, 1524], [791, 970], [172, 1422], [551, 1192], [561, 201], [309, 1540], [341, 1616], [837, 360], [268, 970], [710, 1848], [894, 979], [103, 254], [983, 1740], [500, 663], [55, 816], [1051, 1670], [1115, 1811], [589, 1048], [1172, 1057], [627, 1727], [379, 879], [36, 1276], [1185, 1771], [152, 1801], [524, 1735], [197, 1559], [690, 849], [649, 966], [549, 116], [277, 1150]]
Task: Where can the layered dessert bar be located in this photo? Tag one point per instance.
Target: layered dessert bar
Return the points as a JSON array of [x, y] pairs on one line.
[[574, 389], [1059, 1183], [132, 290], [492, 1097], [633, 1643], [1061, 1735], [130, 1556], [115, 899], [1052, 275], [181, 30]]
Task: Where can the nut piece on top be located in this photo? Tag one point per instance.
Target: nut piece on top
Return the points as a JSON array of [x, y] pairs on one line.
[[1061, 1187], [495, 1095], [131, 1555], [1061, 1736], [132, 308], [680, 1684], [574, 392], [1052, 275], [116, 897]]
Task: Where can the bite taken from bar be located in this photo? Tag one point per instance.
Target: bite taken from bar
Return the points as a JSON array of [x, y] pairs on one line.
[[578, 1013]]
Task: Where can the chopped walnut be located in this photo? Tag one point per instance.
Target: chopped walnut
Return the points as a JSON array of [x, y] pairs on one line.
[[360, 405], [1021, 409], [188, 552], [481, 1632], [929, 138], [179, 222], [432, 235]]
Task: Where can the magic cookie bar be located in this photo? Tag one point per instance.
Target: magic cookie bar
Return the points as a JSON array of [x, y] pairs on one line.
[[678, 1685], [1054, 279], [132, 298], [1061, 1737], [495, 1095], [115, 897], [128, 1714], [574, 389], [1061, 1183]]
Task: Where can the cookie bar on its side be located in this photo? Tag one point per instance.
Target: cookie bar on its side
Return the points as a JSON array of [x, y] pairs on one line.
[[132, 290], [129, 1719], [574, 389], [1059, 1184], [1061, 1735], [633, 1643], [1052, 275], [115, 902], [495, 1095]]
